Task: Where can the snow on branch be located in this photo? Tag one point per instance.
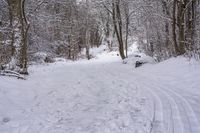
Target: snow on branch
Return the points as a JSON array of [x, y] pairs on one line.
[[10, 73]]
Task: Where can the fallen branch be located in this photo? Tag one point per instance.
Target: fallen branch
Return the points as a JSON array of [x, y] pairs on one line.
[[10, 73]]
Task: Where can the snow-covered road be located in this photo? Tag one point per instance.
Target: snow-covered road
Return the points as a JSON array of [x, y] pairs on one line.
[[103, 97]]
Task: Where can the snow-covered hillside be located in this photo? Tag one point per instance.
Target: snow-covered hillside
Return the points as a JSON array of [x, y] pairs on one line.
[[103, 96]]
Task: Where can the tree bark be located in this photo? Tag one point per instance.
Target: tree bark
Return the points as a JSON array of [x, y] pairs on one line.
[[126, 8], [87, 47], [174, 27], [20, 27], [181, 26], [118, 26], [15, 6]]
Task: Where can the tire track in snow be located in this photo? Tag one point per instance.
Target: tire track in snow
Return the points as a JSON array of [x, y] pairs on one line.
[[185, 111], [170, 110], [162, 100], [164, 96], [189, 120], [157, 114]]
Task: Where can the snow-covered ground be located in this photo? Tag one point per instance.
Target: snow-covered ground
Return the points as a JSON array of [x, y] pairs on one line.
[[103, 96]]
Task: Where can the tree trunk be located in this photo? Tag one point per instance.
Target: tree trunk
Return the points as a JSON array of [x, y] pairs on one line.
[[87, 33], [174, 27], [19, 35], [24, 32], [181, 26], [15, 6], [126, 8], [118, 26], [166, 11], [191, 25]]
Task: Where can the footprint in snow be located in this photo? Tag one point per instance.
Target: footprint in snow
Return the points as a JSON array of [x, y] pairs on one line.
[[5, 119]]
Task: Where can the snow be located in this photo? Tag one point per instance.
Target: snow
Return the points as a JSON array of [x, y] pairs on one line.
[[176, 83], [103, 95]]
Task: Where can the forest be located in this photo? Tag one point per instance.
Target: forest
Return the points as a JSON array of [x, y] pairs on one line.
[[99, 66], [63, 28]]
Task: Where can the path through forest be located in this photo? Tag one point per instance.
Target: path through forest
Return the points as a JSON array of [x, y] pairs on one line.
[[103, 97]]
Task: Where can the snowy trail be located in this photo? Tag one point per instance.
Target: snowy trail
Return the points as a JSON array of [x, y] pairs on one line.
[[188, 118], [178, 114], [182, 119], [74, 99], [99, 97]]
